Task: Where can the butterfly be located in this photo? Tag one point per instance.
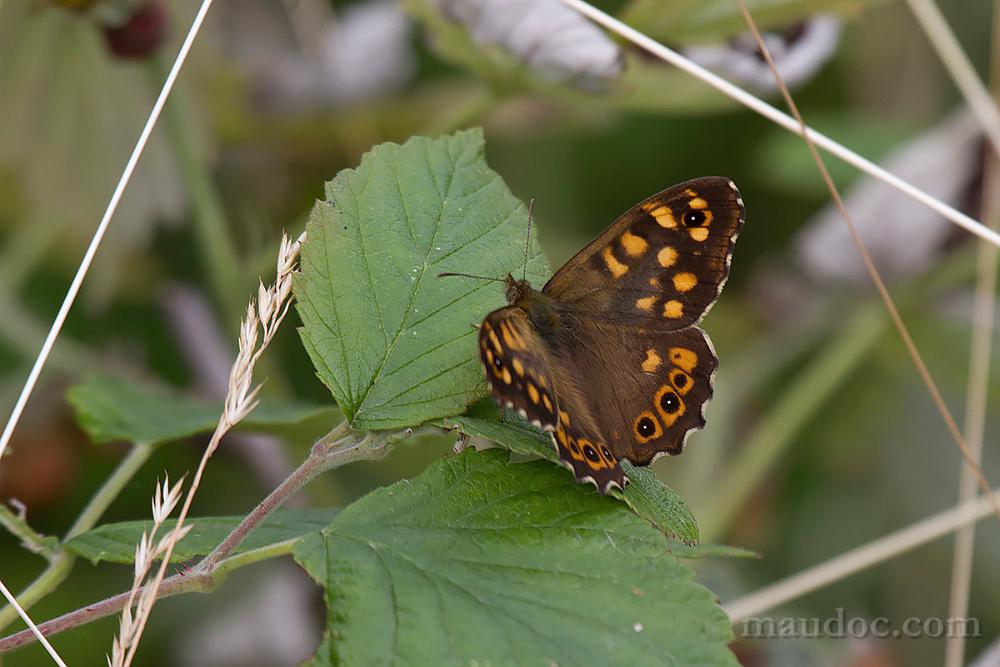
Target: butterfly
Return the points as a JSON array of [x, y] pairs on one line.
[[607, 356]]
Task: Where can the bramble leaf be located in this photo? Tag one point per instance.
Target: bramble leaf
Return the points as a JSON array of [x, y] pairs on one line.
[[645, 494], [111, 409], [115, 542], [479, 561], [394, 343]]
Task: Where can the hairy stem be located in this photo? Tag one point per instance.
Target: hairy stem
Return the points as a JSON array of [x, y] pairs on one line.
[[60, 565]]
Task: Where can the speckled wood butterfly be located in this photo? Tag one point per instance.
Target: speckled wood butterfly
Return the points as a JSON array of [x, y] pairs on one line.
[[608, 356]]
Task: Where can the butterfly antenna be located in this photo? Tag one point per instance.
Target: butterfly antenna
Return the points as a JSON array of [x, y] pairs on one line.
[[469, 275], [527, 240]]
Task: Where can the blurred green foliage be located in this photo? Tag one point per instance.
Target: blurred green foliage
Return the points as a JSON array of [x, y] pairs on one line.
[[872, 456]]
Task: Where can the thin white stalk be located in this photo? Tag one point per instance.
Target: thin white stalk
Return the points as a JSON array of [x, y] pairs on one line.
[[950, 52], [856, 560], [31, 625], [783, 119], [980, 350], [95, 242], [975, 420]]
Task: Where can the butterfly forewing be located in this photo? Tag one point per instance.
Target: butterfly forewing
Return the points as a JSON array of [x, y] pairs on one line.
[[517, 370], [662, 264], [527, 375]]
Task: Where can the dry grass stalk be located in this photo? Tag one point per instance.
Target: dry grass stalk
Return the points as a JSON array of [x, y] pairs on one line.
[[256, 332]]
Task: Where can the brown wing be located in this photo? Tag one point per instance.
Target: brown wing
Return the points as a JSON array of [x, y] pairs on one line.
[[646, 390], [526, 374], [517, 370], [662, 264]]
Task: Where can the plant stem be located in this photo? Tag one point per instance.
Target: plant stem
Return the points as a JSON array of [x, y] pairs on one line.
[[220, 259], [31, 540], [339, 447], [330, 452], [60, 565]]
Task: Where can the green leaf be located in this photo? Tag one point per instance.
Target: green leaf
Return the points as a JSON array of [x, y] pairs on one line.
[[646, 494], [659, 504], [115, 542], [483, 420], [688, 22], [682, 550], [394, 343], [111, 409], [479, 561]]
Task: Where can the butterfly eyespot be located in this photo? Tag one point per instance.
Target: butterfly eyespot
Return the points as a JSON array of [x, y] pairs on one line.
[[682, 381], [574, 447], [670, 402], [607, 455], [694, 218], [646, 427], [591, 453], [498, 362]]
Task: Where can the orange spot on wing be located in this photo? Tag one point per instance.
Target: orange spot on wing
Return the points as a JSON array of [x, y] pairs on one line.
[[673, 309], [645, 303], [496, 342], [684, 281], [652, 361], [518, 367], [698, 203], [683, 358], [616, 268], [698, 233], [664, 217], [633, 245], [533, 393], [666, 257]]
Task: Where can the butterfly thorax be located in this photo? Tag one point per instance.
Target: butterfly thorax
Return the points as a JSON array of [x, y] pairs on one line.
[[535, 303]]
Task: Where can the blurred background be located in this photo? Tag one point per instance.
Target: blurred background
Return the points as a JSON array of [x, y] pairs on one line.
[[821, 436]]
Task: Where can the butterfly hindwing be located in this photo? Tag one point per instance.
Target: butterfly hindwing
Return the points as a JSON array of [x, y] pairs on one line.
[[654, 385], [662, 264]]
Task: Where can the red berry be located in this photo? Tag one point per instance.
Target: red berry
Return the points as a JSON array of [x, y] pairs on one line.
[[140, 36]]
